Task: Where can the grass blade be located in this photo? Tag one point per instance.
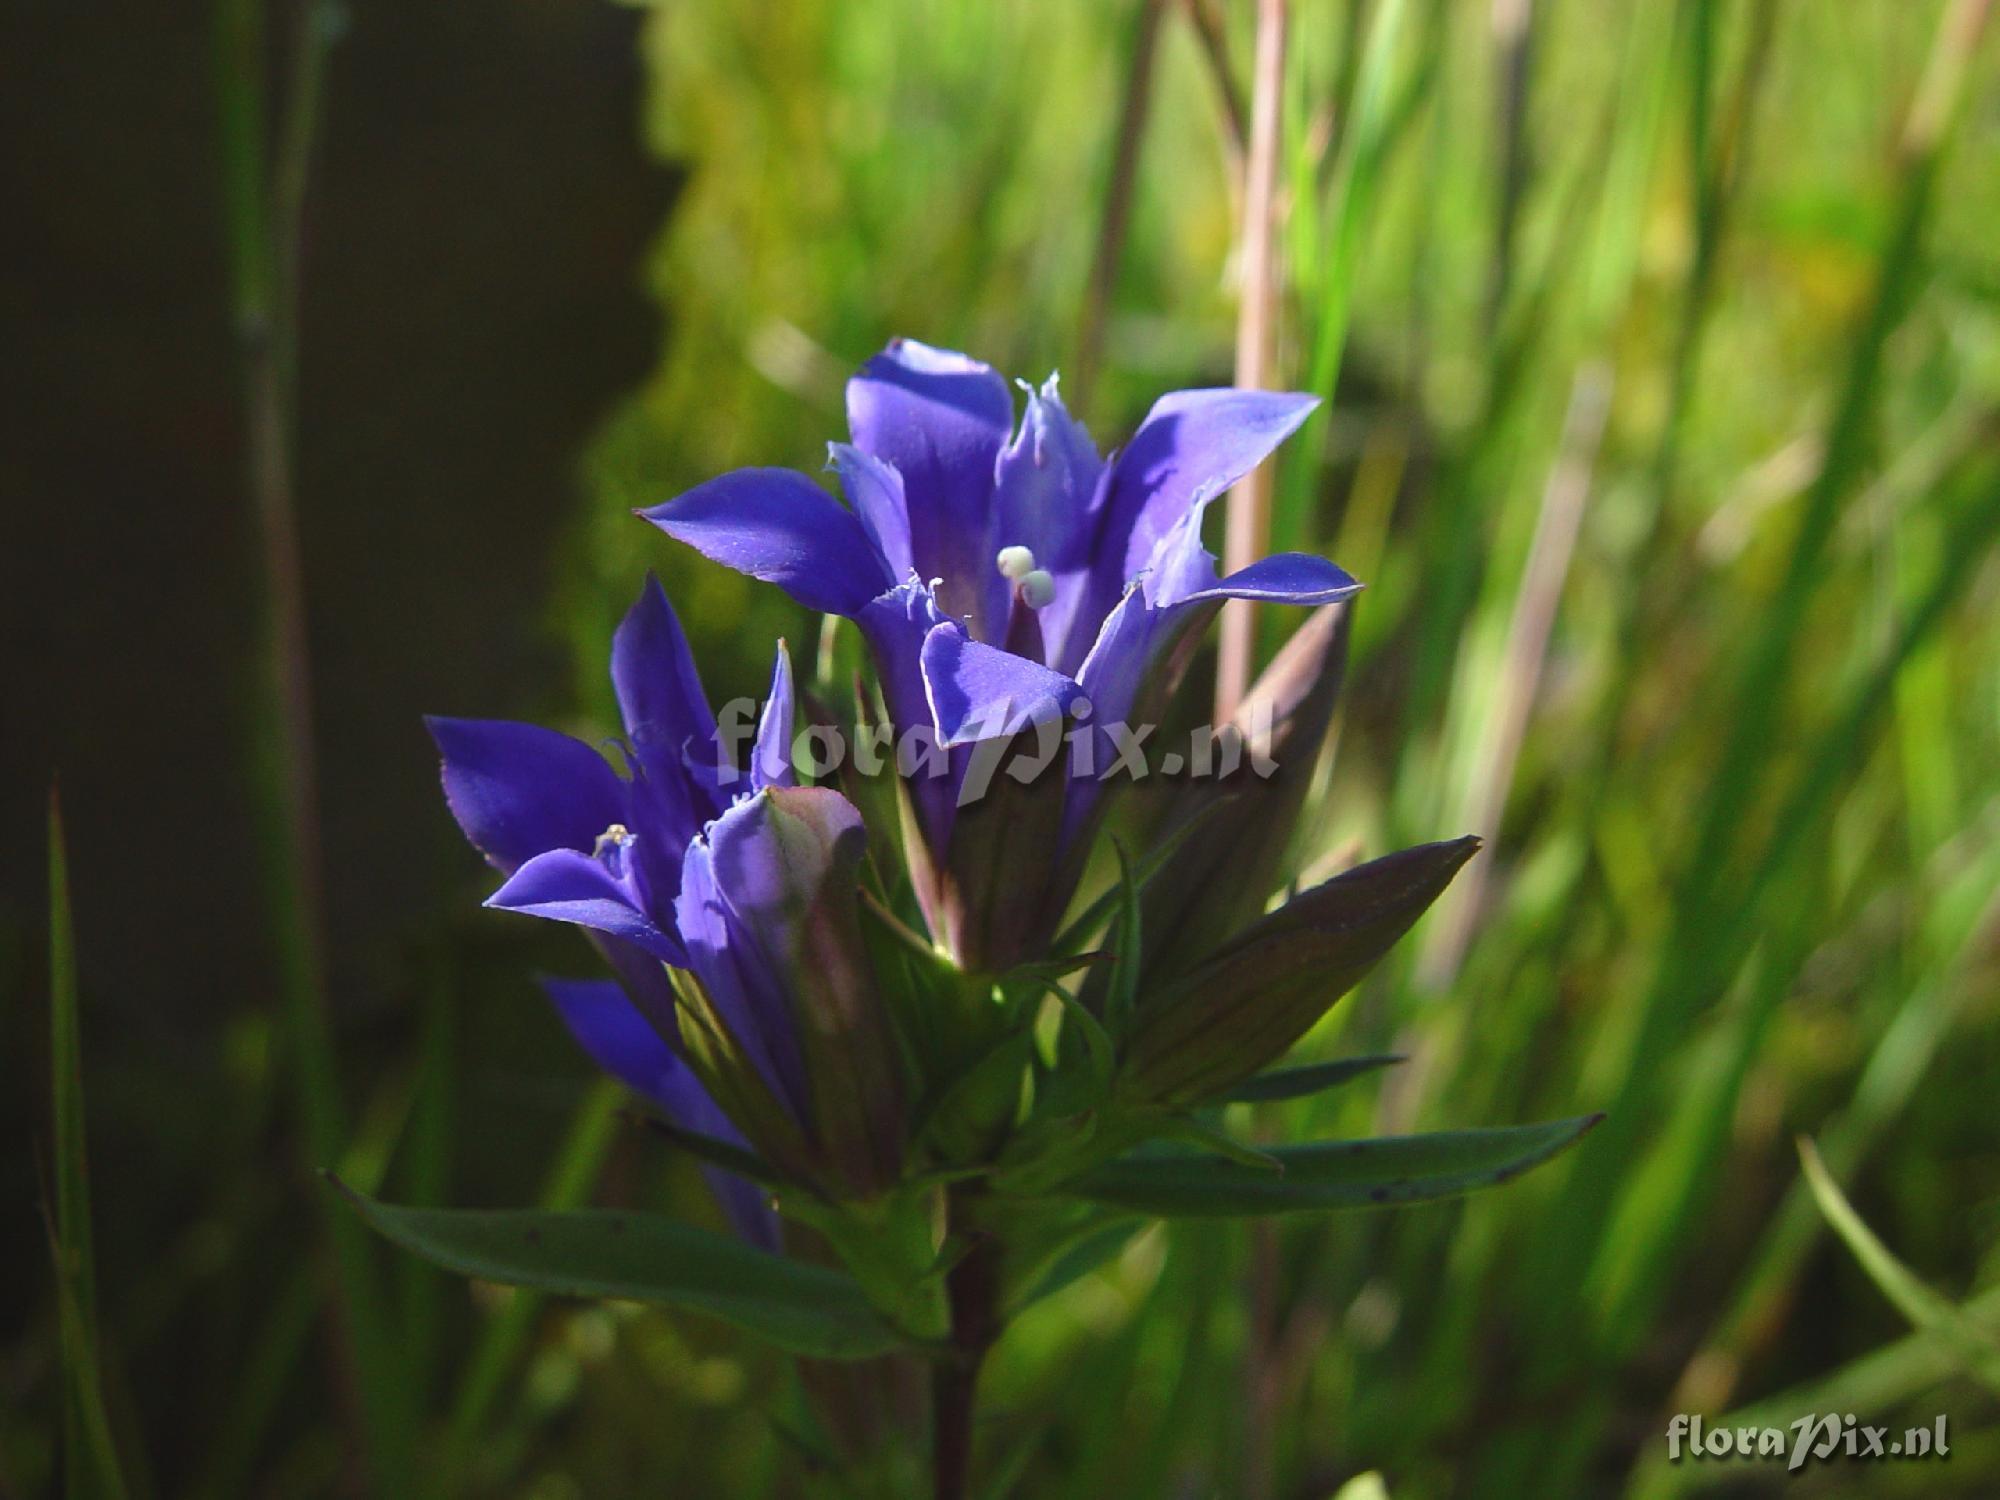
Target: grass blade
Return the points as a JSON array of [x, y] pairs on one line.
[[90, 1458], [1928, 1312]]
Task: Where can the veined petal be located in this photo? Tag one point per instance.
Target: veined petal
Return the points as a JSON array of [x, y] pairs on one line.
[[566, 885], [653, 673], [1047, 479], [623, 1042], [980, 692], [896, 626], [740, 982], [777, 525], [1288, 578], [941, 420], [771, 755], [786, 865], [519, 790], [875, 490], [1192, 446]]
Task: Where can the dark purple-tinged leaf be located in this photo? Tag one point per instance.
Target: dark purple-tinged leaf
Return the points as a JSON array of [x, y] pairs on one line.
[[1213, 886], [1312, 1078], [1325, 1175], [806, 1309], [1247, 1003]]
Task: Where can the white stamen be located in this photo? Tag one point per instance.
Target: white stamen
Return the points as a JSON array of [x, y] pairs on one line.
[[617, 836], [1038, 588], [1015, 563]]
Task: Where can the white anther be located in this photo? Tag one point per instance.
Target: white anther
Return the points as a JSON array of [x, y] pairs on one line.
[[617, 836], [1037, 589], [1015, 563]]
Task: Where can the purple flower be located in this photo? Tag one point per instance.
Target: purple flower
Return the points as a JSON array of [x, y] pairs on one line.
[[578, 842], [627, 1046], [1007, 577], [723, 900]]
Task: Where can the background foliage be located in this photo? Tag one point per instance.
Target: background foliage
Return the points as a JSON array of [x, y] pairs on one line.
[[1664, 342]]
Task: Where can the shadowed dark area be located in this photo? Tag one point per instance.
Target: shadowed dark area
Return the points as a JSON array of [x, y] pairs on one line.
[[479, 215]]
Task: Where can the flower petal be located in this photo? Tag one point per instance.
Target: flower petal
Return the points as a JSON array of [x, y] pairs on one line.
[[777, 525], [619, 1040], [1193, 445], [723, 955], [653, 673], [980, 692], [1047, 481], [623, 1042], [875, 490], [519, 790], [566, 885], [1288, 578], [941, 419], [771, 756]]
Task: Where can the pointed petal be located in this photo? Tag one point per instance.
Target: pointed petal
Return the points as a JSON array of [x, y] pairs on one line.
[[566, 885], [518, 789], [1046, 483], [623, 1042], [620, 1040], [875, 490], [896, 626], [941, 420], [777, 525], [653, 673], [1288, 578], [771, 756], [1193, 445], [980, 692]]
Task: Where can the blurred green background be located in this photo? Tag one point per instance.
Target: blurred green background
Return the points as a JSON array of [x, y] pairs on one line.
[[1664, 348]]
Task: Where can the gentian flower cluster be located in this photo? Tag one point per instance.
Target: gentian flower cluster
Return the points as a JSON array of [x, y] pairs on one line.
[[921, 1071]]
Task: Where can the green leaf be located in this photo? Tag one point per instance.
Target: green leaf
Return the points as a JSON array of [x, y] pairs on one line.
[[1190, 1130], [1326, 1174], [1130, 947], [89, 1454], [806, 1309], [1930, 1313], [1080, 1257], [1245, 1005], [1102, 908], [727, 1155], [1313, 1078]]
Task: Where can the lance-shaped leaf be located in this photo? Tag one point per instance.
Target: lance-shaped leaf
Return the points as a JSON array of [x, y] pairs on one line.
[[1243, 1006], [809, 1310], [1264, 754], [1311, 1078], [1325, 1175]]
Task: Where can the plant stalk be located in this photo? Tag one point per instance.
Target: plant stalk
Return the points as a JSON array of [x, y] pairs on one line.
[[972, 1291]]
